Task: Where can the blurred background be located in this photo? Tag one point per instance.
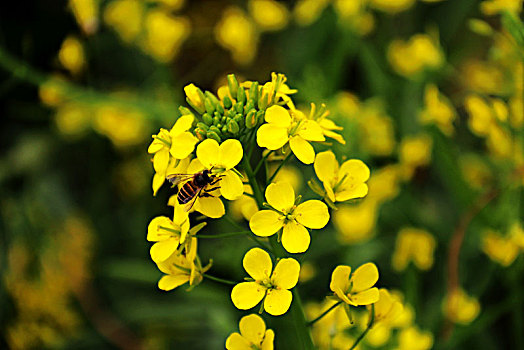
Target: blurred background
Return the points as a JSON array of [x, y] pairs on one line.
[[430, 95]]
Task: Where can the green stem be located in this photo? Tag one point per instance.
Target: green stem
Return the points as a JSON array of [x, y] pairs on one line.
[[257, 192], [280, 166], [219, 280], [310, 323], [224, 235], [261, 162], [370, 324]]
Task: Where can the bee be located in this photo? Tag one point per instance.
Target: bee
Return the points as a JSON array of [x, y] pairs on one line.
[[194, 186]]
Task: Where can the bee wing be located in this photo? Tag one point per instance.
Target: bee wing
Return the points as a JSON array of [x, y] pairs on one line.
[[190, 204], [175, 179]]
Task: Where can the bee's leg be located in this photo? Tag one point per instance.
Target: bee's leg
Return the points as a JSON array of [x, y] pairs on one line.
[[215, 180], [211, 189]]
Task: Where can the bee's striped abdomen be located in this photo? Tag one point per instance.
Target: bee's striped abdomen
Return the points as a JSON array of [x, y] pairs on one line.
[[187, 192]]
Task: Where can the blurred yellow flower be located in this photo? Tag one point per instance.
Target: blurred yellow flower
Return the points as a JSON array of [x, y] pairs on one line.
[[481, 115], [356, 223], [72, 119], [460, 307], [414, 245], [280, 128], [51, 92], [357, 290], [414, 339], [272, 287], [71, 55], [245, 206], [269, 15], [493, 7], [123, 126], [164, 34], [126, 17], [308, 11], [476, 171], [392, 6], [237, 33], [412, 57], [414, 151], [289, 174], [438, 110], [86, 14], [167, 234], [344, 182], [253, 335], [482, 77], [387, 308], [292, 218], [499, 248]]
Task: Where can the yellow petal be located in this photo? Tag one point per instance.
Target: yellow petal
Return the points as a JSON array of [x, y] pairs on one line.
[[280, 196], [356, 169], [312, 214], [277, 301], [158, 181], [160, 251], [364, 277], [358, 191], [155, 146], [286, 273], [269, 338], [182, 124], [272, 137], [182, 145], [295, 237], [210, 206], [154, 233], [266, 223], [170, 282], [230, 153], [302, 149], [161, 160], [326, 166], [311, 131], [207, 152], [257, 264], [366, 297], [246, 295], [231, 186], [253, 328], [195, 167], [340, 278], [236, 342], [278, 116]]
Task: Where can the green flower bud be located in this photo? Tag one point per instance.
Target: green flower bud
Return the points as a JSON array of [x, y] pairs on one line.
[[239, 107], [224, 129], [251, 119], [207, 119], [213, 135], [231, 113], [263, 101], [239, 119], [249, 106], [241, 95], [253, 92], [216, 120], [233, 85], [233, 127], [184, 110], [219, 108], [212, 97], [202, 126], [223, 119], [227, 102], [215, 129], [200, 134], [219, 126], [210, 107], [260, 117]]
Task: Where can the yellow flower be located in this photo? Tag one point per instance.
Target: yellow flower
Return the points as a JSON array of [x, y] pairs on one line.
[[387, 308], [320, 115], [181, 268], [308, 11], [71, 55], [356, 223], [272, 287], [438, 110], [413, 339], [414, 245], [273, 91], [475, 171], [253, 335], [392, 6], [481, 118], [292, 218], [167, 234], [269, 15], [493, 7], [500, 249], [415, 151], [125, 16], [281, 128], [357, 290], [343, 182], [86, 14], [460, 307], [123, 126], [72, 119], [414, 56], [195, 97]]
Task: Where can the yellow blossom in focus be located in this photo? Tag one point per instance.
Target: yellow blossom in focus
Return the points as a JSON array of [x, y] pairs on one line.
[[269, 15], [460, 307], [437, 110], [272, 286], [414, 245], [357, 288], [414, 339], [195, 97], [344, 182], [71, 55], [86, 14], [414, 151], [392, 6], [500, 249], [291, 218], [281, 128], [493, 7], [164, 34], [356, 223], [126, 17], [320, 115], [124, 127], [308, 11], [167, 234], [412, 57], [72, 119], [236, 32], [253, 335]]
